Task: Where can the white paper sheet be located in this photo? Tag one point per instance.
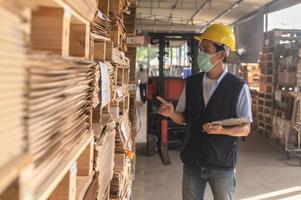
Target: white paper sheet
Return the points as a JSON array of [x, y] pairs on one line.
[[105, 84]]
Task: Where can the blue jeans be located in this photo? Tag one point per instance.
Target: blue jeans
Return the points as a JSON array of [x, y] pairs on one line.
[[196, 177]]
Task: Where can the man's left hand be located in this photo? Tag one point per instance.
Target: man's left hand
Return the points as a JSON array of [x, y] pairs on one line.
[[213, 129]]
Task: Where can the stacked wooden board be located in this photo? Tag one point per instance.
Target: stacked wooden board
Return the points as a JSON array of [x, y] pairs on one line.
[[59, 101], [12, 88], [104, 156], [129, 21], [122, 178], [72, 158], [13, 146], [102, 25], [112, 141]]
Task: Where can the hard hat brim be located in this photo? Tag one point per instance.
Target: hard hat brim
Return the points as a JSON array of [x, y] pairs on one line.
[[200, 38]]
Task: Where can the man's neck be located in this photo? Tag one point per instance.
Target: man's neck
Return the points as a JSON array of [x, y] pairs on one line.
[[216, 72]]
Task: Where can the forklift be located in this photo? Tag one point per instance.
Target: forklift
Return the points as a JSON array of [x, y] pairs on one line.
[[162, 132]]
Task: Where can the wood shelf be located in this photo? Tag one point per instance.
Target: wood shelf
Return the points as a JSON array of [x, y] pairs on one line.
[[99, 37], [54, 26], [42, 192], [11, 171], [82, 185]]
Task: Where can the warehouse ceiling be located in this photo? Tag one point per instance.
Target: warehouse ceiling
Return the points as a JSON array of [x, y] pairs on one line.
[[191, 15]]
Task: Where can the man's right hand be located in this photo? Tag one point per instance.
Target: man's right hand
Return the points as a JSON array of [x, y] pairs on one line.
[[166, 109]]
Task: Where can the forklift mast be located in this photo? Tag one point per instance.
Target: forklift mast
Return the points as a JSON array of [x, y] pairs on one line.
[[163, 40], [159, 128]]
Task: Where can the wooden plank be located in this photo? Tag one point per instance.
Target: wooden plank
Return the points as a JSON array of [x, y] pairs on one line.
[[83, 183], [77, 40], [10, 171], [85, 161], [12, 192], [43, 191], [104, 6], [99, 50], [47, 22], [66, 190]]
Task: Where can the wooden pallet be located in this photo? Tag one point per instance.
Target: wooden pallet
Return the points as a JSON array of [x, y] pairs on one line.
[[265, 95], [265, 102], [264, 117], [266, 87], [266, 78], [267, 57], [264, 109]]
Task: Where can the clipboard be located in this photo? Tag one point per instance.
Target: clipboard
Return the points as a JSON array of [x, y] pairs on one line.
[[231, 122]]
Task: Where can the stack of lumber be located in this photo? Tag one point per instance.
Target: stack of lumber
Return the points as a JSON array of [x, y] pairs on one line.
[[121, 182], [118, 7], [119, 57], [104, 156], [118, 33], [96, 86], [122, 179], [59, 100], [102, 25], [92, 191], [12, 88], [47, 104], [86, 9], [131, 54], [123, 136], [129, 20]]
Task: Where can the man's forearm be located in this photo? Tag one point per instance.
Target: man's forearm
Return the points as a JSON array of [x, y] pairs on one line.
[[178, 117], [238, 131]]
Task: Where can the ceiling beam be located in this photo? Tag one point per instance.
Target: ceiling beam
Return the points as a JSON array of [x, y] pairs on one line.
[[225, 12], [168, 28], [197, 11]]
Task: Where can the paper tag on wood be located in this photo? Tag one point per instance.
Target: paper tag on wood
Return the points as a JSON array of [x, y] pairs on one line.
[[132, 87], [119, 92]]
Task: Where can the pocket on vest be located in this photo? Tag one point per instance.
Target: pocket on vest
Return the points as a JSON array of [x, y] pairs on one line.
[[221, 153]]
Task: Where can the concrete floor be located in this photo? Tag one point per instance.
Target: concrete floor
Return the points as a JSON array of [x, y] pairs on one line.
[[262, 172]]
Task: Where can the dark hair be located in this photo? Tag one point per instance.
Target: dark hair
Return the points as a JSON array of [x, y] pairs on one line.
[[220, 48]]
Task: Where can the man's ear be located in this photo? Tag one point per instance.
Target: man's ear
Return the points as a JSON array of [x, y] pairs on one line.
[[222, 55]]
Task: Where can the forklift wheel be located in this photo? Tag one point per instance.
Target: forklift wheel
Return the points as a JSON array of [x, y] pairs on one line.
[[151, 145]]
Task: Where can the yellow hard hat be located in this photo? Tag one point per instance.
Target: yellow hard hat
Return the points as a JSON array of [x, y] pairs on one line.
[[221, 34]]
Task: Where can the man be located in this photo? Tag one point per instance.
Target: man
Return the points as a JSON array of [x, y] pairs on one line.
[[142, 76], [210, 151]]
